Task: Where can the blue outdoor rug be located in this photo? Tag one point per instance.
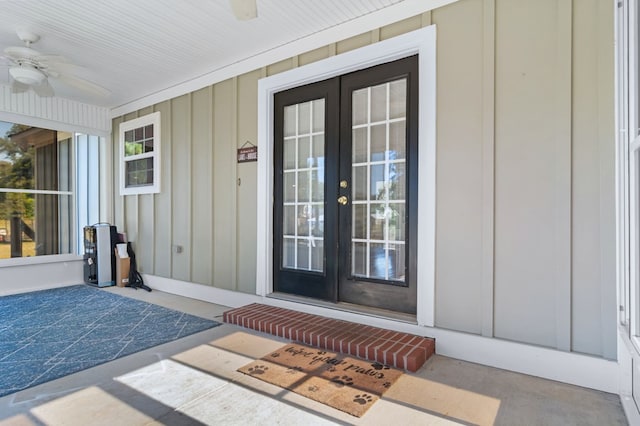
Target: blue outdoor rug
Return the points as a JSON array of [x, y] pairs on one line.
[[49, 334]]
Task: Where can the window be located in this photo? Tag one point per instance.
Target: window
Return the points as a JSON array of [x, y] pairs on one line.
[[40, 199], [140, 155]]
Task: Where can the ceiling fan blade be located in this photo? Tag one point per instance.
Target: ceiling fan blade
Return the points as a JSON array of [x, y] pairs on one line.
[[244, 10], [44, 89], [84, 85], [55, 69], [17, 87], [49, 59], [21, 52]]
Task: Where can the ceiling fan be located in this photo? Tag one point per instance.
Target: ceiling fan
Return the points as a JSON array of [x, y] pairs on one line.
[[31, 70]]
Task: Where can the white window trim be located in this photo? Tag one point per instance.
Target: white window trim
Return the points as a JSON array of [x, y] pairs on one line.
[[421, 42], [153, 118]]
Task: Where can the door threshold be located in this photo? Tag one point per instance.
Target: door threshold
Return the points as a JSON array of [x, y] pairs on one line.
[[346, 307]]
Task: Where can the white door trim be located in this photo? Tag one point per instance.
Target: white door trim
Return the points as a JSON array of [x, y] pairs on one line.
[[421, 42]]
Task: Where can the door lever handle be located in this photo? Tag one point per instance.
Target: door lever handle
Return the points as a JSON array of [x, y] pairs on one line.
[[343, 200]]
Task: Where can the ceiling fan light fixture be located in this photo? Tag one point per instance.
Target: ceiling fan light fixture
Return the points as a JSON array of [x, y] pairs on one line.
[[244, 10], [27, 74]]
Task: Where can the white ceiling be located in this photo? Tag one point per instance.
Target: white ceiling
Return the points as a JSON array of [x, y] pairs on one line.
[[135, 48]]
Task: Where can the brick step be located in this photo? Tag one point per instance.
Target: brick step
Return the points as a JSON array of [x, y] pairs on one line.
[[401, 350]]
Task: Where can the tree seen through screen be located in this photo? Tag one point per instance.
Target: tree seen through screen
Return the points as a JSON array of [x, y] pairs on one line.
[[16, 172]]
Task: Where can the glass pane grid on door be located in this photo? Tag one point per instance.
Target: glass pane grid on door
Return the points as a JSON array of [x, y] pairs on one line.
[[378, 182], [303, 187]]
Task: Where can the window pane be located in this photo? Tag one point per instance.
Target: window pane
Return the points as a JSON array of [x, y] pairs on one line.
[[317, 256], [303, 187], [397, 222], [132, 148], [128, 136], [318, 115], [359, 267], [360, 106], [359, 145], [289, 160], [304, 153], [397, 140], [318, 151], [303, 254], [395, 262], [290, 120], [379, 103], [317, 187], [148, 145], [359, 179], [289, 190], [397, 182], [378, 261], [304, 118], [398, 99], [35, 224], [378, 142], [288, 253], [289, 221], [35, 159], [139, 172], [377, 183], [359, 221], [376, 228]]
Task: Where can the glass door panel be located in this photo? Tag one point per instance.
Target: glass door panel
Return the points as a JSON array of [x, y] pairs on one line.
[[303, 186], [378, 194]]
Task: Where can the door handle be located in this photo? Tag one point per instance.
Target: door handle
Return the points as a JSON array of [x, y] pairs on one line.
[[343, 200]]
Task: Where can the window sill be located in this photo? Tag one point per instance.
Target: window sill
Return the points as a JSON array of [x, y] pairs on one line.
[[39, 260]]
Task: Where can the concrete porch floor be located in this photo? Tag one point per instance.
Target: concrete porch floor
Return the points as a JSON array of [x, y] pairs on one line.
[[194, 381]]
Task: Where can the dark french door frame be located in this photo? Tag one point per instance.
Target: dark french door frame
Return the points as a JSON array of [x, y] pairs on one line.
[[336, 282], [373, 292], [310, 284], [421, 42]]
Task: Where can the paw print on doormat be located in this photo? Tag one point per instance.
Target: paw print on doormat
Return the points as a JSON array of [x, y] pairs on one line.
[[341, 381], [293, 370], [258, 369], [378, 366], [313, 388], [363, 399], [386, 385], [275, 355]]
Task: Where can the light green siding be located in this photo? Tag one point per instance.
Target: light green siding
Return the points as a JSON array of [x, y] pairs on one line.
[[525, 213]]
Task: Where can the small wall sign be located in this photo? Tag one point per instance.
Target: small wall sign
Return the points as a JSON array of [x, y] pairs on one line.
[[248, 152]]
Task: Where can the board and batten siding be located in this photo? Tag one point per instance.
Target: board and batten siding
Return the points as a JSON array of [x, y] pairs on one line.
[[525, 220]]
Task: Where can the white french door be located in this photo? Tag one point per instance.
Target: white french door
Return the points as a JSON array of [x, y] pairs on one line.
[[628, 198]]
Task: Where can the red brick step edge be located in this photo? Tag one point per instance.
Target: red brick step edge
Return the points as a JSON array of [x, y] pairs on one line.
[[401, 350]]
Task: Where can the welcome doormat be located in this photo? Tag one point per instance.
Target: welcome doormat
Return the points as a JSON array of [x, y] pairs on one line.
[[349, 384], [45, 335]]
